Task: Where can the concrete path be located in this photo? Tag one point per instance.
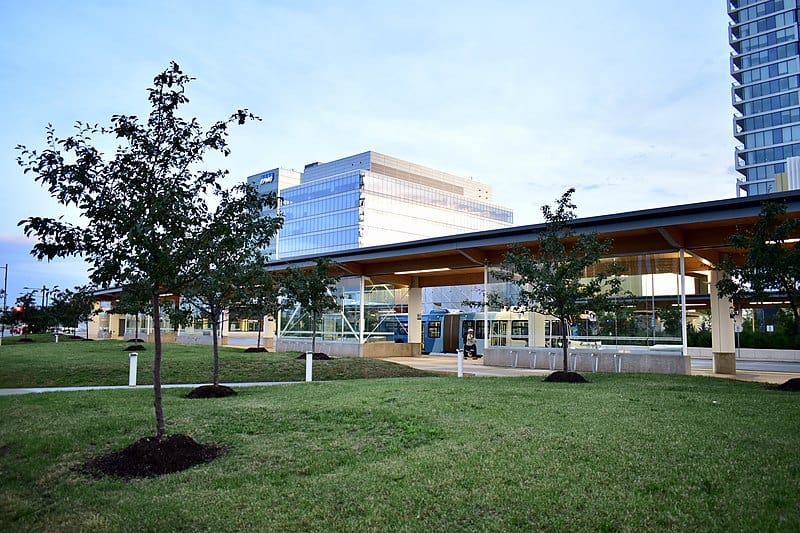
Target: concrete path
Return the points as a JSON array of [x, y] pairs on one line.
[[444, 364], [31, 390]]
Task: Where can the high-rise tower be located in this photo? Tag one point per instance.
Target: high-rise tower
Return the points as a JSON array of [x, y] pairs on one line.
[[765, 64]]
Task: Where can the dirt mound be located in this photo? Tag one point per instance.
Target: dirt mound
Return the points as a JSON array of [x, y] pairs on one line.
[[253, 349], [565, 377], [318, 356], [211, 391], [790, 385], [135, 347], [150, 457]]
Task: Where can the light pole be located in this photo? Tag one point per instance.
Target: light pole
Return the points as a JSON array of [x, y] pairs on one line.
[[5, 291]]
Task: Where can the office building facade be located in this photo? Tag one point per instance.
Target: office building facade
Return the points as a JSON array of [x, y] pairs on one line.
[[371, 199], [765, 64]]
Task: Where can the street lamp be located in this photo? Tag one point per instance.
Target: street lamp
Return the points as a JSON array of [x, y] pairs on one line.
[[45, 292]]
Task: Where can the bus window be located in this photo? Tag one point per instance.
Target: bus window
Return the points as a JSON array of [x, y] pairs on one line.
[[465, 326], [479, 329], [519, 328], [499, 329], [434, 329]]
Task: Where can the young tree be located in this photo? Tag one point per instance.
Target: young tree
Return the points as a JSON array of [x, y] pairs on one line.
[[131, 303], [553, 280], [771, 263], [229, 251], [313, 290], [261, 297], [68, 308], [143, 206], [27, 315]]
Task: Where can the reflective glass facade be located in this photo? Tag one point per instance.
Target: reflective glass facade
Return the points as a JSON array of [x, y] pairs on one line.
[[765, 63], [370, 199]]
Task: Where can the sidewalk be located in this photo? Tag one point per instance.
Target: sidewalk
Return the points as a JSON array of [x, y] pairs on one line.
[[448, 364], [32, 390]]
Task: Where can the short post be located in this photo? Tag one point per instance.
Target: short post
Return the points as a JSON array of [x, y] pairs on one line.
[[309, 358], [461, 363], [56, 335], [134, 357]]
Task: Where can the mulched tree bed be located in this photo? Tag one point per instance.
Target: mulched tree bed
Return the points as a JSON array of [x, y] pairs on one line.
[[133, 347], [792, 385], [26, 339], [565, 377], [253, 349], [318, 356], [150, 457], [137, 341], [211, 391]]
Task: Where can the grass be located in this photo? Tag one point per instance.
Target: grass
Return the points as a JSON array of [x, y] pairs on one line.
[[623, 453], [45, 363]]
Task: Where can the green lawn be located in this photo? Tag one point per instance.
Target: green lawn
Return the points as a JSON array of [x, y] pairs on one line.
[[45, 363], [623, 453]]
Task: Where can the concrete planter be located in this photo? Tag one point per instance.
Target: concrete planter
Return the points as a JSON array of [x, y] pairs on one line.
[[589, 360]]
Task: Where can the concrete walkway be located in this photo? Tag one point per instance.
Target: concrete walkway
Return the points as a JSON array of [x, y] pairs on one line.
[[31, 390], [449, 364], [443, 364]]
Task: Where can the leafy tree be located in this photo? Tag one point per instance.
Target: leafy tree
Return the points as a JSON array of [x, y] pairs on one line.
[[70, 307], [313, 290], [671, 319], [553, 279], [228, 252], [260, 298], [25, 312], [771, 264], [143, 206], [132, 303]]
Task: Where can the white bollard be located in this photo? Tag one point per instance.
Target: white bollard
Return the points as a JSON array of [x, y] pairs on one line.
[[309, 358], [461, 363], [134, 357]]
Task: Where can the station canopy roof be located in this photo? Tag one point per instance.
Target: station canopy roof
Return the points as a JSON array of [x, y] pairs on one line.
[[701, 229]]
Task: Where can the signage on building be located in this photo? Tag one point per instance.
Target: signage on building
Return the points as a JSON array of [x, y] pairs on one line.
[[269, 177]]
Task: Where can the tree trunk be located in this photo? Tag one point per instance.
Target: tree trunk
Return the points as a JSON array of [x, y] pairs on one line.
[[136, 334], [260, 323], [313, 333], [215, 344], [565, 343], [157, 401]]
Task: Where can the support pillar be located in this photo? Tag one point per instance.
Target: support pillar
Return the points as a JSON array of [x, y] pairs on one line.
[[723, 340], [361, 310], [414, 317]]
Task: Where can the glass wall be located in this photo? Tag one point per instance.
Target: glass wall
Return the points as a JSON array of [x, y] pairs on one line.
[[385, 315]]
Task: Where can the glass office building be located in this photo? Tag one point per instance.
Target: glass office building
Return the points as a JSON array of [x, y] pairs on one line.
[[371, 199], [274, 181], [765, 64]]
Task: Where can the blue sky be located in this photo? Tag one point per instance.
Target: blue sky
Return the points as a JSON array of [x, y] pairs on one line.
[[626, 100]]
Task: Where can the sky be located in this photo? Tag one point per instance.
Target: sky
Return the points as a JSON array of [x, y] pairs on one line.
[[628, 101]]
